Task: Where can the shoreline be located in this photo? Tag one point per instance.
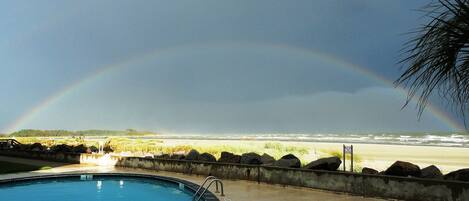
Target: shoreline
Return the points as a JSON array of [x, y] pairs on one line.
[[312, 141]]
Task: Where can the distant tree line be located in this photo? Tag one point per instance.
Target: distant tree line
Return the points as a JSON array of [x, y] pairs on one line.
[[66, 133]]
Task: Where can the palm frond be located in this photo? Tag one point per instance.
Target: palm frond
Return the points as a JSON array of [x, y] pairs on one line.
[[436, 57]]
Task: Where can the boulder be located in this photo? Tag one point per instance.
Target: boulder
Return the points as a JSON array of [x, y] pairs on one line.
[[366, 170], [37, 147], [290, 161], [251, 158], [431, 172], [93, 149], [403, 169], [177, 156], [207, 157], [162, 156], [63, 148], [227, 157], [24, 147], [80, 149], [289, 156], [458, 175], [330, 163], [267, 159], [192, 155]]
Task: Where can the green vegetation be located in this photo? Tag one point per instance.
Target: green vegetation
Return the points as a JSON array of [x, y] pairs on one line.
[[278, 149], [8, 167], [66, 133], [155, 146], [356, 158], [138, 146], [45, 168]]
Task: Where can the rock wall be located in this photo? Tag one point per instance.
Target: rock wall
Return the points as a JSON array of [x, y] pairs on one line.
[[403, 188], [414, 189], [221, 170]]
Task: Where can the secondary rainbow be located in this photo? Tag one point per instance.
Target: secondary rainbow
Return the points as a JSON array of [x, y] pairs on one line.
[[106, 69]]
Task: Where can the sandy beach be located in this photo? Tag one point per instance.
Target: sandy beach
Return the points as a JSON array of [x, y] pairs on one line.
[[377, 156]]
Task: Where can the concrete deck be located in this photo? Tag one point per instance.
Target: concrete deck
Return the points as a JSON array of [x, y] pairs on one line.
[[234, 190], [31, 161]]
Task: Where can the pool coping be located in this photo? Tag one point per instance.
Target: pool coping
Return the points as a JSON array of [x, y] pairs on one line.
[[208, 196]]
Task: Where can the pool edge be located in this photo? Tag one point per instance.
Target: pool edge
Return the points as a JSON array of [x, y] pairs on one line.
[[208, 196]]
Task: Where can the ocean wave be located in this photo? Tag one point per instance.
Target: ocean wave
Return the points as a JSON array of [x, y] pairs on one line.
[[425, 139]]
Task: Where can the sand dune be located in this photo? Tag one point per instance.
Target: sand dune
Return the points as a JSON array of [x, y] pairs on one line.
[[377, 156]]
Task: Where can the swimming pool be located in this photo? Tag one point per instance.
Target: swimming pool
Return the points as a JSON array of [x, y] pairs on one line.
[[102, 187]]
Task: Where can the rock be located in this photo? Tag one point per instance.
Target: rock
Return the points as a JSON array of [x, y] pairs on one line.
[[192, 155], [162, 156], [207, 157], [458, 175], [94, 149], [366, 170], [177, 156], [227, 157], [431, 172], [80, 149], [37, 147], [290, 161], [289, 156], [63, 148], [331, 163], [266, 159], [24, 147], [251, 158], [403, 169]]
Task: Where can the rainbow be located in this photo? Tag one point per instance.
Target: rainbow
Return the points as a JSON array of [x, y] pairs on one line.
[[107, 69]]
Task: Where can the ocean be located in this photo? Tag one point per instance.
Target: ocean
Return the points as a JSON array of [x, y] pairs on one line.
[[422, 139]]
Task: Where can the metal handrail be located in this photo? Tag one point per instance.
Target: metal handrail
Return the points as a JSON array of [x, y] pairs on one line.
[[203, 184], [211, 182]]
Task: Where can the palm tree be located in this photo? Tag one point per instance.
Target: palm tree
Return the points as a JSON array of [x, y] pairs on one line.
[[437, 56]]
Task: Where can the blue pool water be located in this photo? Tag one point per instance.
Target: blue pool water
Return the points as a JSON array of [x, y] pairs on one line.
[[98, 189]]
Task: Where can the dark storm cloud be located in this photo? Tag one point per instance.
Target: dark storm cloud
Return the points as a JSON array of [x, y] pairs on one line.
[[47, 45]]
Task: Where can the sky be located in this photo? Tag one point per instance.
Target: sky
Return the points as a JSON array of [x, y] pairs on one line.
[[248, 66]]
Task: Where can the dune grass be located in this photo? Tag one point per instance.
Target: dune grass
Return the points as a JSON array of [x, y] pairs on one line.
[[144, 146], [138, 146]]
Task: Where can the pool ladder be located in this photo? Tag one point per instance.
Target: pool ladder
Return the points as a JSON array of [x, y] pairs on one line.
[[210, 180]]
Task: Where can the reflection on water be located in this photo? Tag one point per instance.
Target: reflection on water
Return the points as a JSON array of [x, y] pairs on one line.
[[99, 185]]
